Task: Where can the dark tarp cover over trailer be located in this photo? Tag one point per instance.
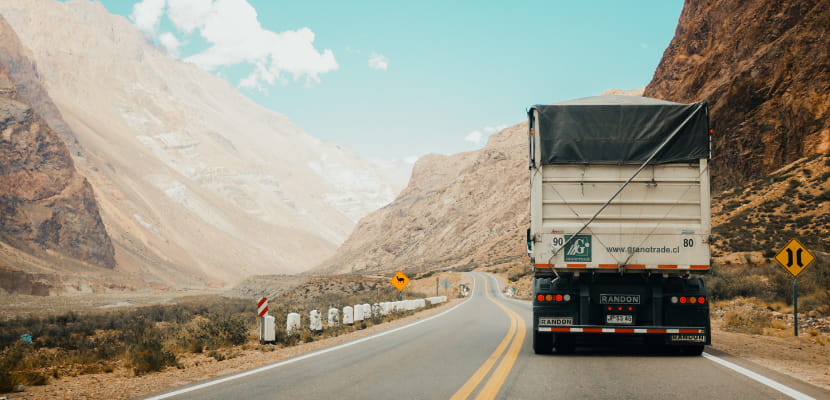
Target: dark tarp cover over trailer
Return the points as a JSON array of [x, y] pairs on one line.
[[621, 130]]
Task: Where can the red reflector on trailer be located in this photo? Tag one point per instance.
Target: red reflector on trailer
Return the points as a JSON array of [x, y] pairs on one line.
[[683, 300], [609, 308], [558, 297], [540, 297], [701, 300], [630, 308]]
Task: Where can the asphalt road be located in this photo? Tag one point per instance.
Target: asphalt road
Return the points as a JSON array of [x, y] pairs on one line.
[[483, 349]]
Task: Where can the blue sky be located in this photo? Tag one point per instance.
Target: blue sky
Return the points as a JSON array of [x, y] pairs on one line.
[[452, 68]]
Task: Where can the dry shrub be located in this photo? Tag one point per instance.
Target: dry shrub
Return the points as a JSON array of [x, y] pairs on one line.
[[747, 316], [15, 369]]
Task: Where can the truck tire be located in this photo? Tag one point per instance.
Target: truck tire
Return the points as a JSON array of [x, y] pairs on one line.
[[542, 343], [693, 350], [564, 344]]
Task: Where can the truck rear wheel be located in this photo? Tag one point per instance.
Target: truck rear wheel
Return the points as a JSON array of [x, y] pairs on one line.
[[693, 350], [565, 344], [542, 343]]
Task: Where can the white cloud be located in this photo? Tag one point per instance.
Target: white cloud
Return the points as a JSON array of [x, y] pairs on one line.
[[493, 129], [189, 15], [477, 136], [377, 61], [146, 15], [170, 43], [474, 137], [235, 36]]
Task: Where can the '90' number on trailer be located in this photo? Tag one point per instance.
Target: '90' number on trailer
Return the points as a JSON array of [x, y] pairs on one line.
[[557, 241]]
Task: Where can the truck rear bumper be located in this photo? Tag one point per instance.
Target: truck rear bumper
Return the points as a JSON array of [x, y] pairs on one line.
[[666, 335], [624, 330]]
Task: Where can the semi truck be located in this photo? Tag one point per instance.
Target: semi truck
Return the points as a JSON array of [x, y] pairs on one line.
[[619, 223]]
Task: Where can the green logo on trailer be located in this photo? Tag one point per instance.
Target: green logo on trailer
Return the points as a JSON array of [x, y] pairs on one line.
[[578, 249]]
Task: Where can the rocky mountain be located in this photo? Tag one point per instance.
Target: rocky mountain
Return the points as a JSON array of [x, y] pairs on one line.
[[752, 221], [49, 210], [195, 182], [464, 210], [764, 66]]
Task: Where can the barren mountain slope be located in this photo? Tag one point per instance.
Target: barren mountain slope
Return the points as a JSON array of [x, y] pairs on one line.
[[195, 181], [48, 210], [760, 216], [464, 210], [764, 66]]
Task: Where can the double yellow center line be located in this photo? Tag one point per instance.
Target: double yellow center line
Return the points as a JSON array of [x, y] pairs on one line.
[[511, 344]]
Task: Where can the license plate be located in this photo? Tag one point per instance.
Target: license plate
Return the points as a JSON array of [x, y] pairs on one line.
[[619, 319], [556, 321], [688, 338]]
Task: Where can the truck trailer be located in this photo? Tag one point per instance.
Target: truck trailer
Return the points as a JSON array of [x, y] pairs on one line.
[[619, 223]]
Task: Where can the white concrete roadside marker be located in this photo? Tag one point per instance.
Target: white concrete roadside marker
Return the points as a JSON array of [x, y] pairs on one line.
[[420, 303], [269, 334], [334, 317], [348, 315], [759, 378], [358, 313], [292, 323], [315, 321], [367, 311]]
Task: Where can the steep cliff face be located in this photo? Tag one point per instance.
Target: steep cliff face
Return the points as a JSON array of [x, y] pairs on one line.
[[464, 210], [46, 205], [764, 66]]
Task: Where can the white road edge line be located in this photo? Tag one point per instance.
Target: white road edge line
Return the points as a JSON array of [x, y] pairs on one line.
[[300, 358], [760, 378]]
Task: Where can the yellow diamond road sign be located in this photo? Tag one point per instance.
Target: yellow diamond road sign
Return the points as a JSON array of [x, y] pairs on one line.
[[399, 280], [794, 257]]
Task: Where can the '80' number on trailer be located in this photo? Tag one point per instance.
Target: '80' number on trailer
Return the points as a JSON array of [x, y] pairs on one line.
[[690, 242]]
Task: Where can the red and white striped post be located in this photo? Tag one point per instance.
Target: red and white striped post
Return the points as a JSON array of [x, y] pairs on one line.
[[262, 311]]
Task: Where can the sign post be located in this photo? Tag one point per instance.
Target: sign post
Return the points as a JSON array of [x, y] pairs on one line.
[[261, 312], [795, 258], [399, 281]]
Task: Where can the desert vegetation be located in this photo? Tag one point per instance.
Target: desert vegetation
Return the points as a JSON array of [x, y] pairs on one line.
[[758, 298], [152, 338]]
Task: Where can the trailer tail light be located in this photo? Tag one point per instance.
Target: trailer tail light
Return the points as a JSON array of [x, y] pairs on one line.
[[558, 298], [688, 300]]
